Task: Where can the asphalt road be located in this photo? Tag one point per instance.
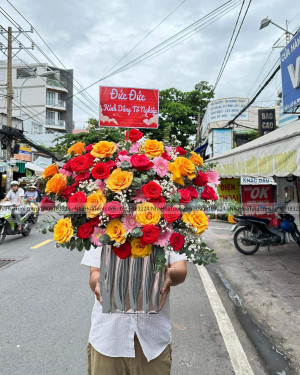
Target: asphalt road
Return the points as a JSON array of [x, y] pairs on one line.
[[45, 307]]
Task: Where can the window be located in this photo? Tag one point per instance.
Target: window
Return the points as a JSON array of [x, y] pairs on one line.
[[26, 72], [50, 98], [50, 117]]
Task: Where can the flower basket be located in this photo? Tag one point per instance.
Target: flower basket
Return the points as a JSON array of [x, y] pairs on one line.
[[129, 285]]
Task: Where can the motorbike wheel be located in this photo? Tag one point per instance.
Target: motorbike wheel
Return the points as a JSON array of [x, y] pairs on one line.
[[296, 236], [242, 245], [27, 229], [2, 234]]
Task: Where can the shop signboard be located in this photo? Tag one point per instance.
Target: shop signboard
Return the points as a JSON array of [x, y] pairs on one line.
[[257, 180], [290, 74], [229, 188], [129, 107], [266, 121], [257, 200]]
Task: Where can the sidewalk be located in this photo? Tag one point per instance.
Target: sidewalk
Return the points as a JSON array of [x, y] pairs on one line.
[[269, 286]]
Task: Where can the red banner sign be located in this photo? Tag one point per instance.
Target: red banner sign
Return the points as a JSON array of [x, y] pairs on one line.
[[257, 200], [128, 107]]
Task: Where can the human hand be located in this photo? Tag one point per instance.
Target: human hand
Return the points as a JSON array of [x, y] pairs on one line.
[[97, 292], [166, 287], [17, 204]]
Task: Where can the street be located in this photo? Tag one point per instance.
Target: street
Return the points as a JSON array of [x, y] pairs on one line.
[[45, 314]]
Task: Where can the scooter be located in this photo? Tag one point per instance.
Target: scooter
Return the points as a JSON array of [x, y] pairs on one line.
[[251, 232], [35, 208], [8, 225]]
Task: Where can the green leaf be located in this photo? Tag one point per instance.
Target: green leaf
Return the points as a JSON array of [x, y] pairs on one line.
[[125, 165], [104, 239], [87, 244], [136, 232], [151, 172]]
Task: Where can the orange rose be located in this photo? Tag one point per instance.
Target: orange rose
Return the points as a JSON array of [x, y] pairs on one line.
[[153, 148], [147, 214], [182, 167], [138, 250], [50, 171], [119, 180], [196, 219], [56, 184], [63, 230], [116, 231], [103, 149], [94, 203], [78, 148], [196, 159]]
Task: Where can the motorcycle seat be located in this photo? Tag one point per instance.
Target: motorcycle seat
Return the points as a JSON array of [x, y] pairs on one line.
[[261, 219]]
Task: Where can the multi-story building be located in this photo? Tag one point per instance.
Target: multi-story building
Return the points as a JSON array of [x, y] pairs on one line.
[[42, 98]]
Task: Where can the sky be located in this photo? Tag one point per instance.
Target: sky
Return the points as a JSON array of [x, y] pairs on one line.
[[91, 36]]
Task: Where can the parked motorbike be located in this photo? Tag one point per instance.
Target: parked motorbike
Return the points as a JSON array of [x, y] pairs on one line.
[[251, 232], [8, 225]]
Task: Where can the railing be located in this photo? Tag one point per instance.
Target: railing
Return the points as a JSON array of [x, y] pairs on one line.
[[56, 103], [55, 123], [55, 83]]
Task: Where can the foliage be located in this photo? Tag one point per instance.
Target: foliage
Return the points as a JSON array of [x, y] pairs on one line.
[[244, 136]]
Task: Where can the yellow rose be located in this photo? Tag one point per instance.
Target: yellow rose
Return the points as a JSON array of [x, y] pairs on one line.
[[182, 167], [50, 171], [138, 250], [153, 148], [119, 180], [116, 231], [63, 230], [196, 159], [78, 148], [103, 149], [56, 184], [94, 203], [147, 214], [196, 219]]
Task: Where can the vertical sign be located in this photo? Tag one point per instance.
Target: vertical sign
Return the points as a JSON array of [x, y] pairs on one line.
[[129, 107], [266, 121]]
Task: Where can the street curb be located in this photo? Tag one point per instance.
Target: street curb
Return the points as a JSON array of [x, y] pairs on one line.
[[276, 362]]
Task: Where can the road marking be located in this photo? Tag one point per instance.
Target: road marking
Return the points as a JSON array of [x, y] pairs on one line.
[[235, 350], [41, 244]]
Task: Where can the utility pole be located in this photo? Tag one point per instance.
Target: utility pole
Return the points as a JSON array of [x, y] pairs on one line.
[[198, 136], [287, 34]]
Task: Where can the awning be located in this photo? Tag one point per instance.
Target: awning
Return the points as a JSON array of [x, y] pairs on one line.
[[274, 154], [34, 167]]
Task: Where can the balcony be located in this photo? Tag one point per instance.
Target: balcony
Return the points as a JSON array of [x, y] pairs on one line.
[[59, 105], [56, 85], [55, 124]]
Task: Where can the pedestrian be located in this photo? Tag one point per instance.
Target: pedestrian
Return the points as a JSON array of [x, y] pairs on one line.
[[131, 344], [16, 196]]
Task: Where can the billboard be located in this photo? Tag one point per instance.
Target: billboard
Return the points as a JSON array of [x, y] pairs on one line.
[[221, 141], [229, 188], [290, 74], [266, 121], [126, 107], [257, 200]]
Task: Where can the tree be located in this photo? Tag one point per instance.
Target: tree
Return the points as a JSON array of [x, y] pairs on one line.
[[178, 112]]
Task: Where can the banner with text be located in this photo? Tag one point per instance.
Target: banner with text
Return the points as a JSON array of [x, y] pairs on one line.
[[129, 107]]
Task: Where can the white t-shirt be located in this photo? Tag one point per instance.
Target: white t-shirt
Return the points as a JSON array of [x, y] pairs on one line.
[[14, 196], [113, 334]]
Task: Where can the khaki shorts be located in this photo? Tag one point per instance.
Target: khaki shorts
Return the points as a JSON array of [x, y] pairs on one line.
[[99, 364]]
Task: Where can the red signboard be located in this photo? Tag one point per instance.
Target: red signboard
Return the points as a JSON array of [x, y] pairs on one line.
[[128, 107], [257, 200]]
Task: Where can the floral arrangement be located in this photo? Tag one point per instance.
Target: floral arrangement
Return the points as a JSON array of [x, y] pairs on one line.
[[138, 196]]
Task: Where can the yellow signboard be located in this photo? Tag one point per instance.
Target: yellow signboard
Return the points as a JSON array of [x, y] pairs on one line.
[[229, 188]]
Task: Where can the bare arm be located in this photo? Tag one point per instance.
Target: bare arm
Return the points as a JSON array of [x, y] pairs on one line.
[[95, 283], [4, 200]]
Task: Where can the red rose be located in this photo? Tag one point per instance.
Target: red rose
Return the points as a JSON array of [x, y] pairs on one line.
[[151, 190], [100, 171], [135, 135], [124, 251], [209, 193], [180, 150], [150, 234], [166, 156], [141, 162], [193, 192], [185, 196], [159, 202], [123, 152], [111, 164], [68, 191], [89, 147], [76, 201], [85, 230], [94, 221], [201, 179], [113, 209], [90, 158], [46, 204], [67, 166], [80, 164], [171, 214], [177, 241], [82, 176]]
